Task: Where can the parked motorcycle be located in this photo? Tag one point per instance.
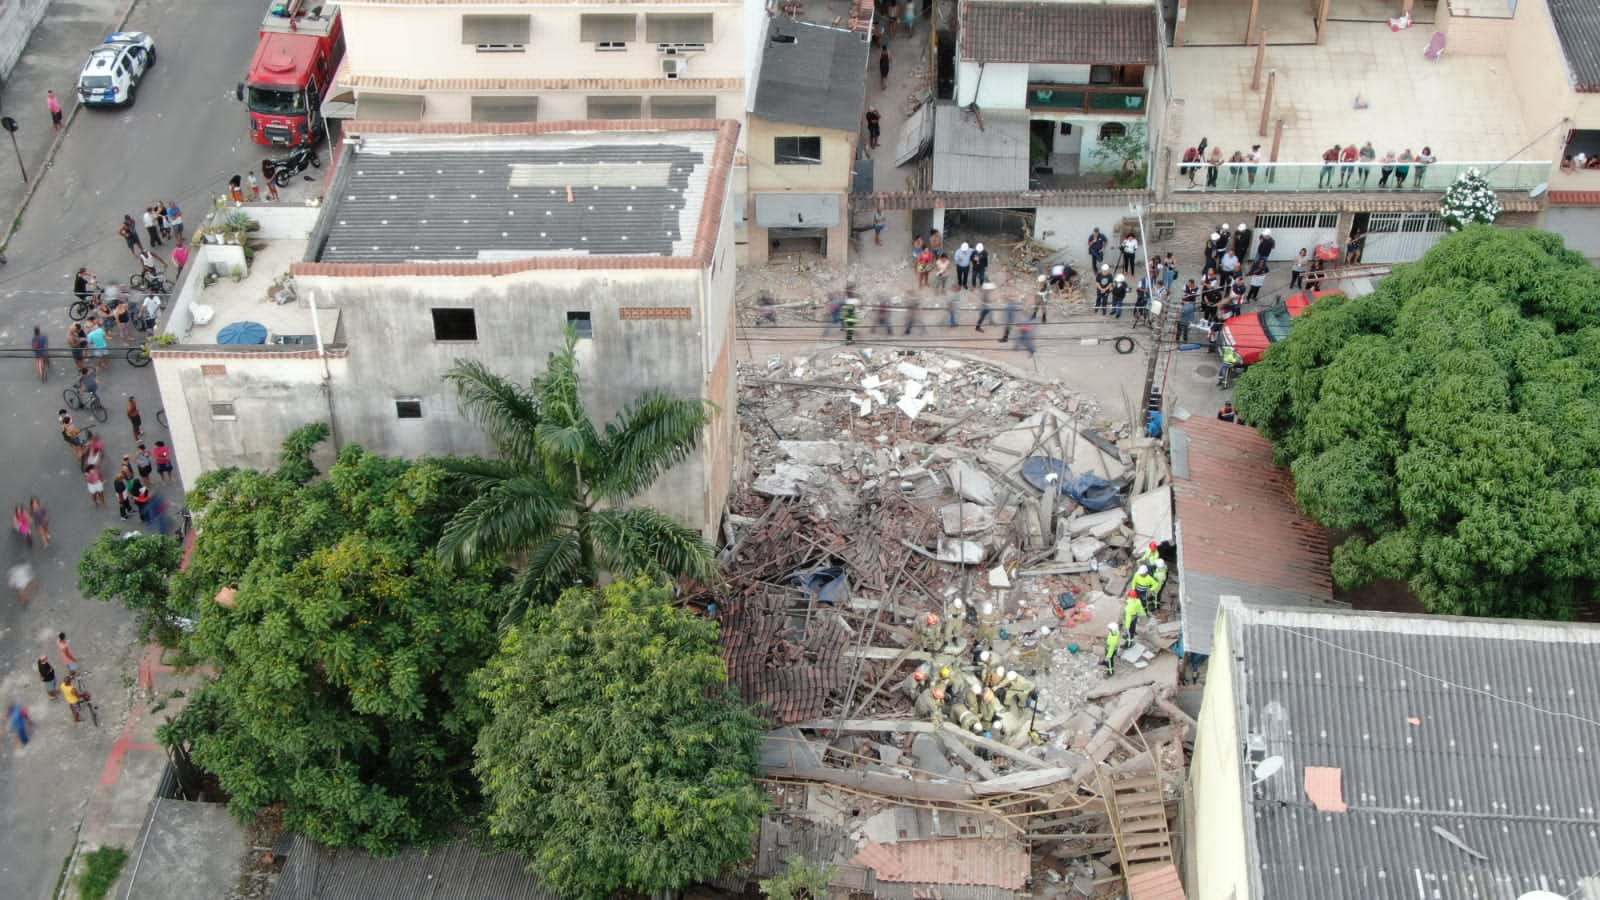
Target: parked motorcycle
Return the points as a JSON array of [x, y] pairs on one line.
[[298, 160]]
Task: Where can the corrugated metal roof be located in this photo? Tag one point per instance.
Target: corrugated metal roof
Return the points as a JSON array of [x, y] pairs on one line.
[[991, 862], [812, 75], [1239, 531], [1081, 33], [973, 154], [1577, 23], [1469, 752], [455, 871]]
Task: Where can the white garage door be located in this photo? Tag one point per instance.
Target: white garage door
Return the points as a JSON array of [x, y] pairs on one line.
[[1401, 237], [1295, 230]]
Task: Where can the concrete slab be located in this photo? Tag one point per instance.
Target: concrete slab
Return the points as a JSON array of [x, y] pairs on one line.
[[1152, 516], [186, 850], [973, 483], [966, 518], [812, 453]]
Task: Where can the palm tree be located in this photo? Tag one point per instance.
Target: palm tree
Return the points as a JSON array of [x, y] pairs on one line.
[[554, 499]]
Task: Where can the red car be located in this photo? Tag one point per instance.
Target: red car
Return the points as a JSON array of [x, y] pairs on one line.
[[1251, 334]]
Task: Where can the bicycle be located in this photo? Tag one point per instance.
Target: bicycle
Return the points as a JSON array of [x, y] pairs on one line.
[[86, 698], [139, 357], [74, 398], [149, 282]]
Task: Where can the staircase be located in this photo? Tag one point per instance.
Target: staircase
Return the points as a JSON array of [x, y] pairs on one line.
[[1137, 808]]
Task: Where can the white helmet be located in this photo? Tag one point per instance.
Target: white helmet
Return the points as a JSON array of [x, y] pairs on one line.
[[1161, 564], [1105, 267], [1111, 627], [1243, 226], [1144, 570], [1044, 631], [1121, 278], [984, 656], [1266, 232], [1225, 227], [1215, 235]]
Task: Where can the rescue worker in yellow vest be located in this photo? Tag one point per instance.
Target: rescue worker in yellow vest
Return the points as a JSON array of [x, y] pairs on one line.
[[1160, 575], [1018, 691], [1132, 612], [1151, 556], [1113, 641], [1144, 584], [851, 317]]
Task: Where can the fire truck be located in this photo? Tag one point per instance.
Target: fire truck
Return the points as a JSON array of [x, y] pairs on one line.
[[295, 62]]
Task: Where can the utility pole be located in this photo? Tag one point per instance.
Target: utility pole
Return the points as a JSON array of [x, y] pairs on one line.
[[10, 125]]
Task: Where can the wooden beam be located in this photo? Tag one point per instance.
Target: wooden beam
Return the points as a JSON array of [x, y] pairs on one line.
[[972, 760], [1250, 24], [1261, 50], [994, 746]]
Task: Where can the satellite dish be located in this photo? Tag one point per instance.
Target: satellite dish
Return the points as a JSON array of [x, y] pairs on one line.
[[1533, 193], [1267, 768]]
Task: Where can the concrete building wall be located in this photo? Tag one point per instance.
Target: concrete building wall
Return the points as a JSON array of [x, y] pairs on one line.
[[557, 106], [650, 330], [18, 19], [406, 41], [995, 85], [833, 174], [1069, 226], [1219, 838], [235, 408]]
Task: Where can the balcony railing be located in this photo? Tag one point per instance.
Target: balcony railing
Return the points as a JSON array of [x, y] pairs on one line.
[[1282, 178], [1087, 98]]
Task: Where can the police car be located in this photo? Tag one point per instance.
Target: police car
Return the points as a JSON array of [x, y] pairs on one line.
[[114, 69]]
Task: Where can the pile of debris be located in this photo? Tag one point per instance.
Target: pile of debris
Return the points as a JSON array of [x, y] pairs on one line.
[[923, 557]]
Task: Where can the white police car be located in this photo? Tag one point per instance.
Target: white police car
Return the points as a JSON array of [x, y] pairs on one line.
[[114, 68]]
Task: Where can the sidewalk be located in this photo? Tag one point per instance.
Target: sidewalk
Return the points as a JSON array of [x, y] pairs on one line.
[[54, 56]]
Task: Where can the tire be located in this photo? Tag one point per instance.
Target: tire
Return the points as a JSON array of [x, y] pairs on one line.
[[98, 410], [316, 161], [138, 357], [79, 310], [150, 63], [1124, 345], [280, 177], [71, 399], [137, 281]]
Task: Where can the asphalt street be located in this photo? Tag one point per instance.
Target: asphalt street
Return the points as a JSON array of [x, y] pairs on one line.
[[182, 139]]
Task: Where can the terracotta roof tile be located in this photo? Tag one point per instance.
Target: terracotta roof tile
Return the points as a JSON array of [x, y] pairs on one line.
[[1575, 198], [1325, 788], [1161, 883], [1079, 33], [991, 862], [773, 661]]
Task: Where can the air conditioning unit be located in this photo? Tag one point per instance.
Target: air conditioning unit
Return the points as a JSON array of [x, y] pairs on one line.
[[673, 67], [678, 49]]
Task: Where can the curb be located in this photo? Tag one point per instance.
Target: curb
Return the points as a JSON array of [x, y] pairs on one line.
[[123, 14]]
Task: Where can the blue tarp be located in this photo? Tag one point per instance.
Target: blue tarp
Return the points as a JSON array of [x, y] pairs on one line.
[[243, 333], [1090, 490]]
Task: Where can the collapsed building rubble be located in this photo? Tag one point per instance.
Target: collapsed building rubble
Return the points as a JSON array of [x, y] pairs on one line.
[[923, 556]]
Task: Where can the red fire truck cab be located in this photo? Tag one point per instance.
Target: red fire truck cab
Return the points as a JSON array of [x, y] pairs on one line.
[[290, 73]]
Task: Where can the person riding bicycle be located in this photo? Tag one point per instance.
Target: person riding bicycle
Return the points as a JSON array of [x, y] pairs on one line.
[[73, 696], [150, 262], [88, 387], [85, 284]]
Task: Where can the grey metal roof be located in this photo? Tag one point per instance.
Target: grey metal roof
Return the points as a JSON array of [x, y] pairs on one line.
[[1487, 732], [455, 871], [1577, 23], [493, 198], [819, 78], [984, 151]]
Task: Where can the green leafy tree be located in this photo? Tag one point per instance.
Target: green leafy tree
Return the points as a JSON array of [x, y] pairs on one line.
[[617, 757], [801, 881], [134, 570], [555, 498], [342, 659], [1469, 201], [1124, 156], [1450, 423]]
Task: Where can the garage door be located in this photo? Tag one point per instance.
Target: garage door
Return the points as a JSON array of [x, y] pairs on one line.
[[1295, 230], [1401, 237]]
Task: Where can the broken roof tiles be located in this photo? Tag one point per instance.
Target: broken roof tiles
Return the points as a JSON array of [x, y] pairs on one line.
[[989, 862]]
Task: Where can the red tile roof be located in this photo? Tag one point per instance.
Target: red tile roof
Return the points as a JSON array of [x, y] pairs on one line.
[[772, 661], [1238, 516], [991, 862], [1156, 884], [1575, 198], [1082, 33]]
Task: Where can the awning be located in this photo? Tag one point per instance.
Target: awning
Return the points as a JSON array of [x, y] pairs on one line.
[[798, 210], [389, 107], [340, 105], [916, 137]]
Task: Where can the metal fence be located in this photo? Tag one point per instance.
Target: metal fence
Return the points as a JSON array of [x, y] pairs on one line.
[[1357, 177]]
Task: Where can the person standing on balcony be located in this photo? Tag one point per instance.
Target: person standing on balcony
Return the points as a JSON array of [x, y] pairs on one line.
[[1254, 160], [1387, 169], [1404, 169], [1325, 176], [1347, 169], [1424, 160], [1367, 155], [1213, 166]]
